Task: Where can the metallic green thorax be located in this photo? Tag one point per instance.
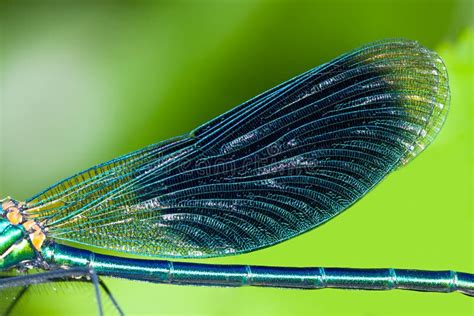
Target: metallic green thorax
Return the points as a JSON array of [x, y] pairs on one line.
[[15, 247]]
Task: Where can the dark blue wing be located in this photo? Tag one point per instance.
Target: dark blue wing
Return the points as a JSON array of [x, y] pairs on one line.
[[272, 168]]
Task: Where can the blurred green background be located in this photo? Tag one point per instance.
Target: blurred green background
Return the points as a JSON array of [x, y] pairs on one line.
[[83, 83]]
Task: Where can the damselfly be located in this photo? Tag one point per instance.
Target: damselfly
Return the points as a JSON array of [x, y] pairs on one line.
[[270, 169]]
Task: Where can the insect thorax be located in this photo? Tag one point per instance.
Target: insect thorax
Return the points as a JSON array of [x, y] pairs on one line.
[[20, 239]]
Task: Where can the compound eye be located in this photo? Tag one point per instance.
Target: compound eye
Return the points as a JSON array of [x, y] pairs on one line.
[[6, 204], [12, 210]]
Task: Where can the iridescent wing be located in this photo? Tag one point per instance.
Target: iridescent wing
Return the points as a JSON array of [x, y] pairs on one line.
[[272, 168]]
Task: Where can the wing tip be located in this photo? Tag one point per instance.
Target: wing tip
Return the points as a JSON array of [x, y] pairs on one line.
[[440, 107], [430, 89]]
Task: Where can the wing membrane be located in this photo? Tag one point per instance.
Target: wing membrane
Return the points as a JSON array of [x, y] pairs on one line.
[[272, 168]]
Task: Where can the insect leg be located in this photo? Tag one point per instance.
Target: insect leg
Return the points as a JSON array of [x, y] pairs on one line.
[[95, 281], [111, 297], [15, 301], [14, 287]]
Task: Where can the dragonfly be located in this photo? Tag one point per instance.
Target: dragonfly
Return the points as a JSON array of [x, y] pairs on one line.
[[270, 169]]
